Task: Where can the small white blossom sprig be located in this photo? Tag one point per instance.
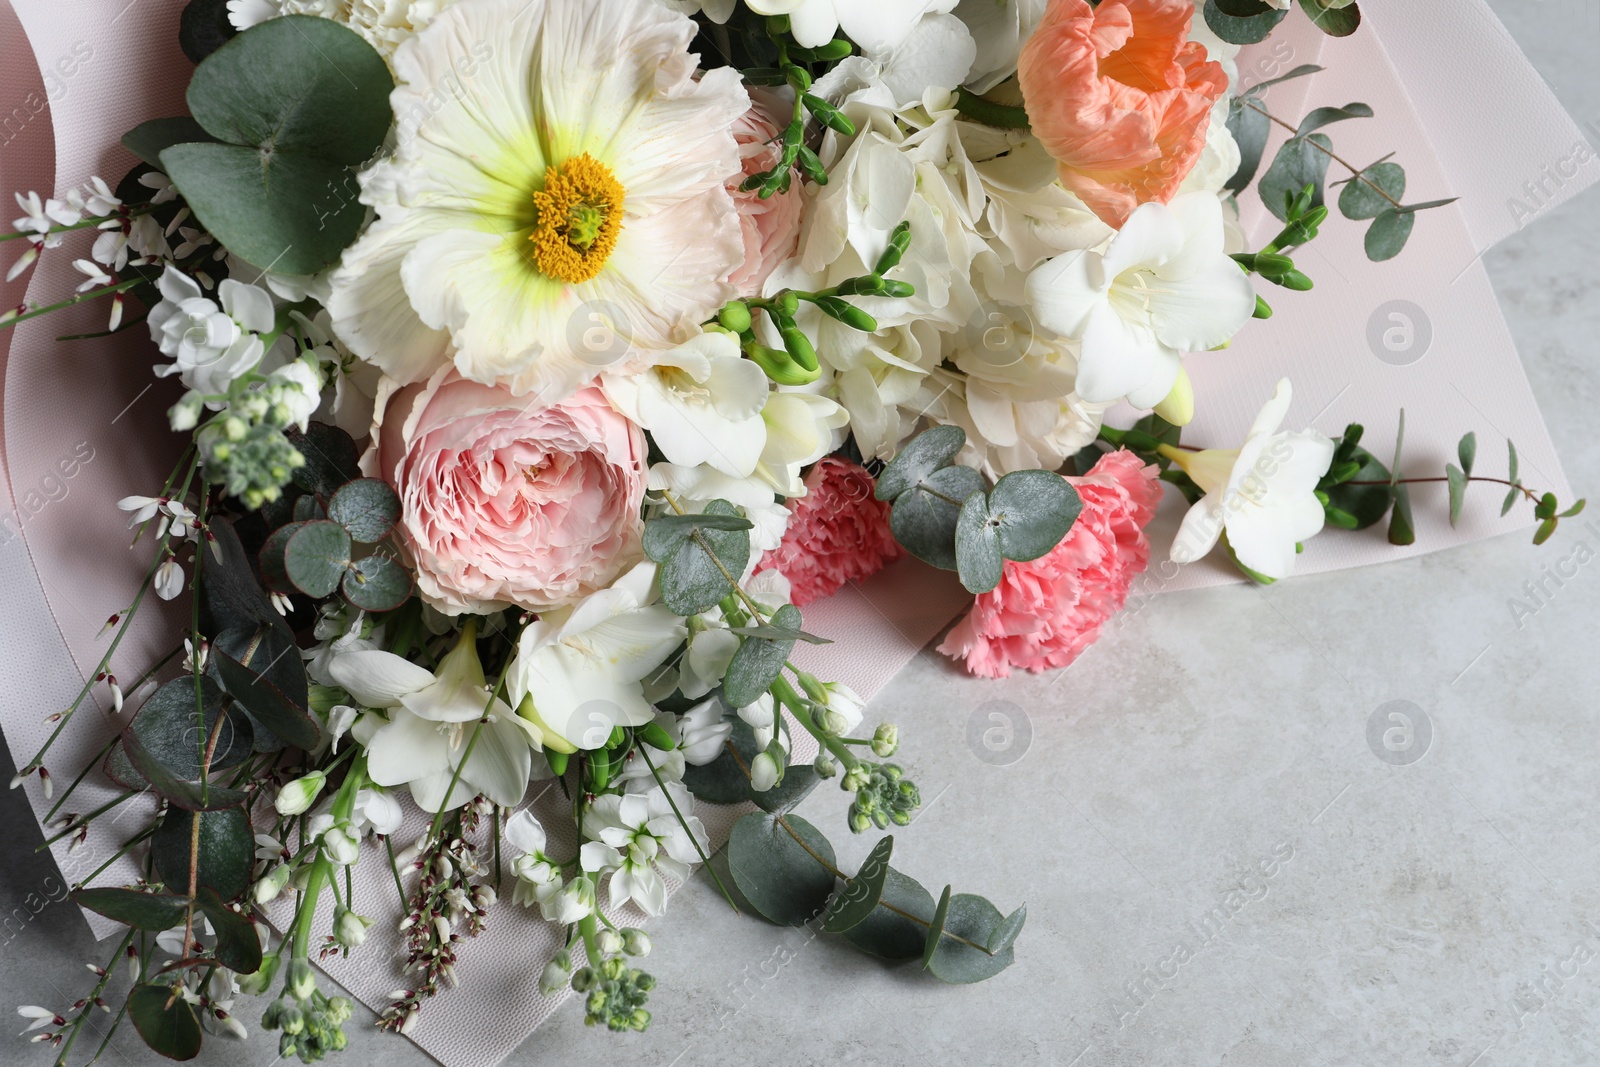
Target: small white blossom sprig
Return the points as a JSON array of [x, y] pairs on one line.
[[129, 236], [449, 901]]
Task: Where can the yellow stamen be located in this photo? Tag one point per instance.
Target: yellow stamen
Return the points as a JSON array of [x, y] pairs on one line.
[[580, 215]]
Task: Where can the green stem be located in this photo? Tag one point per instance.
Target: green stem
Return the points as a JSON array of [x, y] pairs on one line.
[[785, 694], [77, 298], [684, 823]]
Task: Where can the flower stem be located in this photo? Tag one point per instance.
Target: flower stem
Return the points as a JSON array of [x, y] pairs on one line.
[[685, 824]]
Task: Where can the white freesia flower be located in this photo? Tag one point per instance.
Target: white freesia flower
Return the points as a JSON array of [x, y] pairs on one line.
[[702, 732], [430, 719], [1162, 287], [577, 672], [580, 174], [638, 838], [801, 429], [377, 811], [1261, 495], [701, 403], [210, 346]]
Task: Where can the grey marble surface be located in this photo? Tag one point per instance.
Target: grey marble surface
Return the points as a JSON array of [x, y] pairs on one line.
[[1202, 777]]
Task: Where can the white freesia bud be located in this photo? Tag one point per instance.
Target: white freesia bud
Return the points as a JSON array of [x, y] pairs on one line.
[[271, 884], [340, 845], [298, 796], [635, 942], [764, 773], [350, 929]]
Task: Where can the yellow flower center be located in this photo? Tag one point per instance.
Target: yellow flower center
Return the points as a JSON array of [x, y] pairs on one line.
[[580, 215]]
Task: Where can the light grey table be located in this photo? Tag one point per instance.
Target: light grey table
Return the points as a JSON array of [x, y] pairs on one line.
[[1445, 912]]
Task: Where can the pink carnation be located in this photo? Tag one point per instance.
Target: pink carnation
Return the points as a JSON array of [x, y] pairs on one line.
[[771, 227], [504, 502], [838, 532], [1046, 612]]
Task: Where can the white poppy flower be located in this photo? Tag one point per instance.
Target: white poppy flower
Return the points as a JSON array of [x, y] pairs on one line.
[[701, 403], [1162, 287], [1261, 495], [577, 173]]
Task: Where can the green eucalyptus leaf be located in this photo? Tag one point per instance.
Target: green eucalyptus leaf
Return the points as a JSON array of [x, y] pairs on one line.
[[1300, 161], [1250, 126], [1333, 21], [165, 1022], [266, 703], [1467, 451], [924, 454], [1402, 531], [227, 850], [1510, 501], [691, 580], [1388, 234], [758, 661], [1360, 200], [1033, 510], [855, 903], [148, 139], [377, 584], [890, 934], [1005, 933], [271, 653], [1325, 116], [270, 559], [1546, 528], [926, 524], [154, 912], [1458, 490], [1235, 30], [798, 782], [204, 28], [367, 508], [978, 921], [781, 877], [238, 944], [169, 729], [230, 594], [181, 792], [317, 556], [935, 931], [1300, 71], [721, 781], [979, 559], [331, 456]]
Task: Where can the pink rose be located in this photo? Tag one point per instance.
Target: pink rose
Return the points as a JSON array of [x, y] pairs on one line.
[[1046, 612], [838, 532], [504, 502], [771, 227]]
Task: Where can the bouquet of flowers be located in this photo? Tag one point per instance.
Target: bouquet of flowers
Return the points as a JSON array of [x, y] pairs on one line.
[[541, 360]]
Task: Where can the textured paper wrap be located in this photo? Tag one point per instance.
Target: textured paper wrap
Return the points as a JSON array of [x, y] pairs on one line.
[[82, 422]]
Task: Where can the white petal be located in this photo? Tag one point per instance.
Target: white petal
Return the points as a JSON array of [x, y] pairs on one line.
[[1119, 358], [406, 750], [1066, 289], [378, 679], [1202, 526], [247, 305], [524, 832]]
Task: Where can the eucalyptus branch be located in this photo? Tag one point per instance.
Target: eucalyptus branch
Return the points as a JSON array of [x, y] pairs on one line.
[[1356, 173]]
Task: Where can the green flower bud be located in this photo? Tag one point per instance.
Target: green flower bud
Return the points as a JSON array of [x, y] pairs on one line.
[[859, 821], [885, 740], [301, 980], [298, 796], [735, 316], [825, 766], [635, 942]]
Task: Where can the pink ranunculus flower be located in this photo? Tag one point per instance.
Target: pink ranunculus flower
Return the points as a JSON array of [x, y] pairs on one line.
[[770, 227], [504, 501], [1121, 97], [1044, 613], [837, 533]]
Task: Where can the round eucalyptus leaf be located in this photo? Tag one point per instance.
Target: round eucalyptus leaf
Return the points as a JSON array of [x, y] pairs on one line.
[[926, 524], [890, 934], [317, 556], [1033, 511], [1233, 29], [169, 729], [1388, 234], [165, 1023], [227, 850], [758, 661], [1333, 21], [925, 453], [935, 931], [1359, 200], [691, 579], [978, 557], [270, 558], [367, 508], [976, 920], [1301, 161], [377, 583], [781, 878], [855, 903]]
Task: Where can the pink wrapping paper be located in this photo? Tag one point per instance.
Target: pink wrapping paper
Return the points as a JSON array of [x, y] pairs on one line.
[[82, 422]]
